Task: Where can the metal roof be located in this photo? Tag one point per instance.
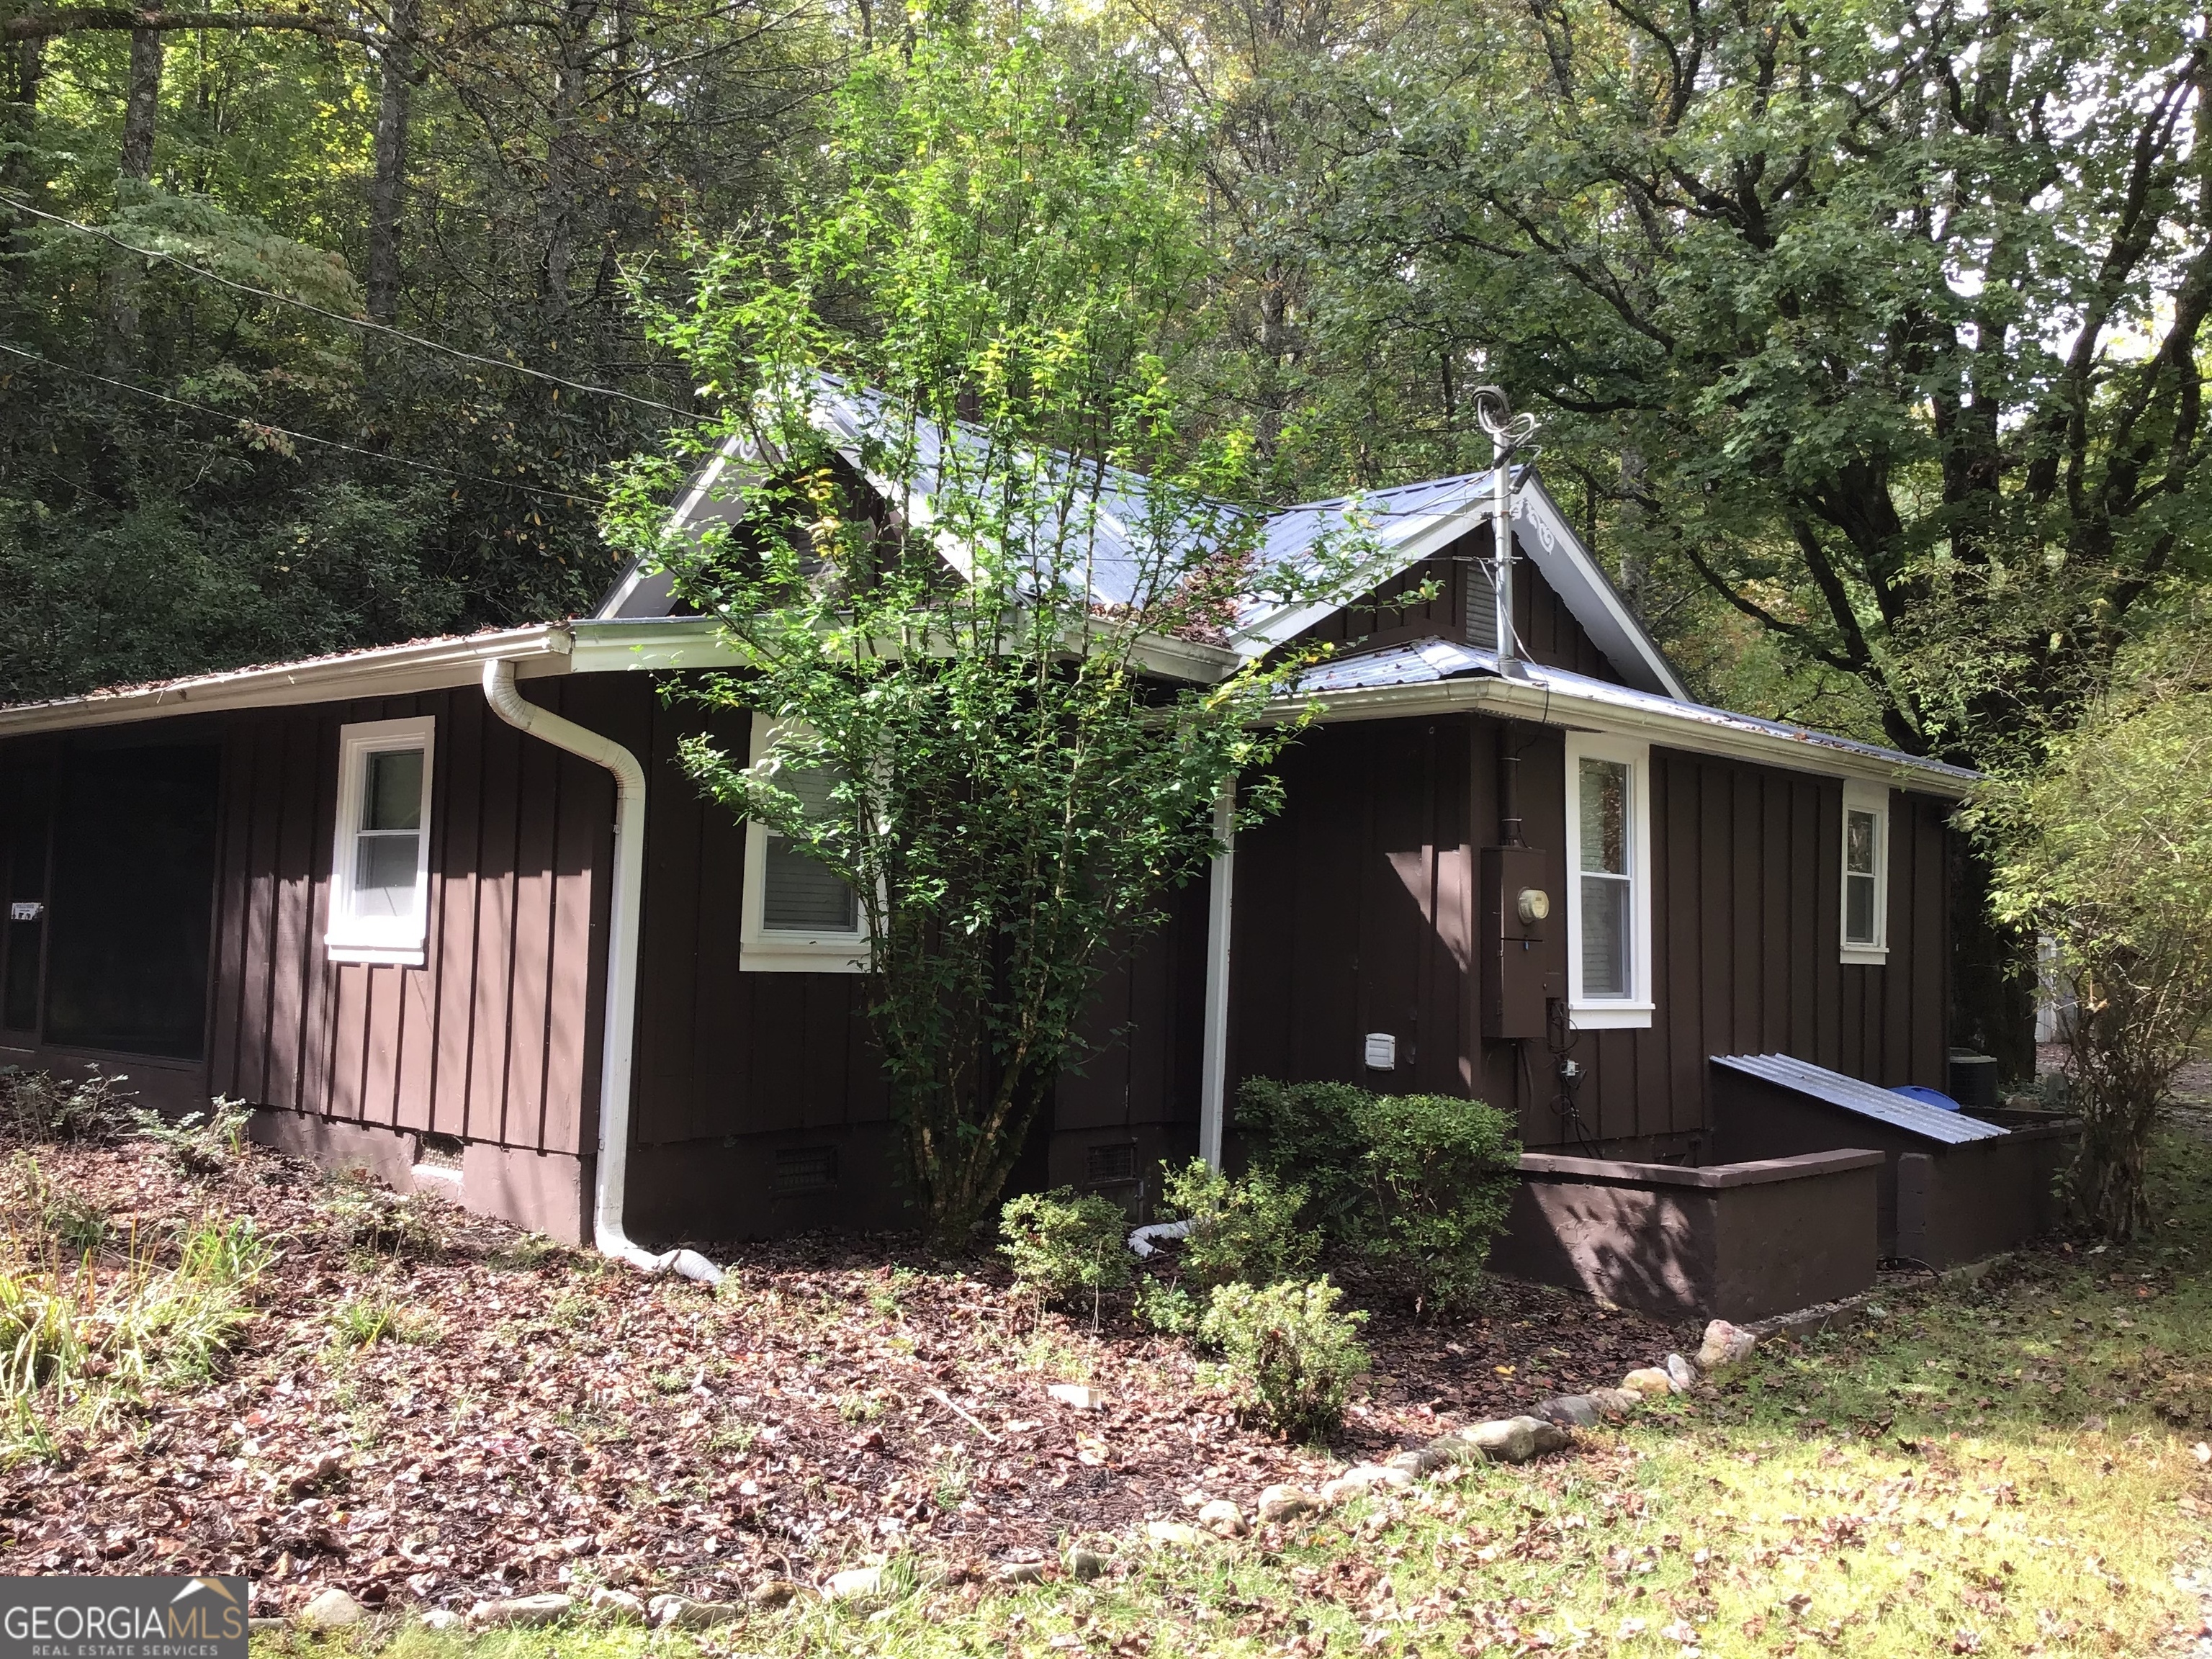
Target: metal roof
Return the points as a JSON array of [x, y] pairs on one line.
[[1428, 661], [1862, 1098], [1104, 529]]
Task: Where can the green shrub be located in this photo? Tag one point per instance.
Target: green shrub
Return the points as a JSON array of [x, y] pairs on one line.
[[1288, 1351], [1166, 1306], [1418, 1181], [37, 1106], [368, 1217], [200, 1143], [1240, 1227], [1064, 1248]]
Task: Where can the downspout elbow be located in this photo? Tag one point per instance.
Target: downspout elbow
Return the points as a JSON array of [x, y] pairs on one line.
[[618, 1067]]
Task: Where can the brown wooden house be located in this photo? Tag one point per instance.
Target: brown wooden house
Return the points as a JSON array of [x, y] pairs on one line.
[[451, 911]]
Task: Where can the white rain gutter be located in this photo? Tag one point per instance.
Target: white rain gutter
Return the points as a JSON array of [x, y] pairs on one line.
[[1213, 1065], [618, 1067]]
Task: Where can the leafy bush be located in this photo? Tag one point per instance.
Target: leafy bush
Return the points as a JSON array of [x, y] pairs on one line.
[[1166, 1306], [1288, 1350], [368, 1217], [1419, 1182], [37, 1106], [1063, 1247], [1240, 1227], [200, 1143]]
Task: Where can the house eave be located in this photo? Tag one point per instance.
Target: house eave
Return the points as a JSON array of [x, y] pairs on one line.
[[385, 672], [1551, 705]]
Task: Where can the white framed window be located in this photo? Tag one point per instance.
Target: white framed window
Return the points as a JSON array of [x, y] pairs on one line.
[[1609, 882], [380, 860], [1866, 872], [800, 918]]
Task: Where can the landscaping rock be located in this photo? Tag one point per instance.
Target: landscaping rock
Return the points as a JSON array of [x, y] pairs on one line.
[[776, 1592], [1725, 1345], [1022, 1572], [439, 1619], [333, 1610], [1365, 1477], [1085, 1565], [1680, 1373], [1173, 1532], [518, 1611], [1516, 1439], [1280, 1504], [1649, 1383], [1569, 1411], [1075, 1394], [612, 1603], [1223, 1519], [855, 1584], [1613, 1403], [679, 1613]]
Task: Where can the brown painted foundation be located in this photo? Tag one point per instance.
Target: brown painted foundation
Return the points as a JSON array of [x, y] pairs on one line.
[[1734, 1240], [542, 1192]]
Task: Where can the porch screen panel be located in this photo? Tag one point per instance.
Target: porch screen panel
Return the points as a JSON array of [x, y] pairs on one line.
[[133, 888]]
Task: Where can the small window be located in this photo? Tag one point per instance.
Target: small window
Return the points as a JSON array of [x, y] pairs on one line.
[[380, 864], [1609, 889], [799, 916], [1866, 872]]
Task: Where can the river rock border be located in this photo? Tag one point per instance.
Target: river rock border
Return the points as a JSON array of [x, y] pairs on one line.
[[1547, 1427]]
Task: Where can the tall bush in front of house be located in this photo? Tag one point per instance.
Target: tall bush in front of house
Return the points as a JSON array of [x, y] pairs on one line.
[[967, 560], [1420, 1182], [2106, 851]]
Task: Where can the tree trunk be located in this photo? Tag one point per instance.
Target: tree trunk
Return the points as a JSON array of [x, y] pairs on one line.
[[142, 109], [387, 185], [23, 64], [563, 171]]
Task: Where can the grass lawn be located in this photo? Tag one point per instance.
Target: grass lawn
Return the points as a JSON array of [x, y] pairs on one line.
[[2007, 1467]]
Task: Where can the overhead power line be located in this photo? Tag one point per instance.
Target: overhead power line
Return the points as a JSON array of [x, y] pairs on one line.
[[230, 419], [363, 323]]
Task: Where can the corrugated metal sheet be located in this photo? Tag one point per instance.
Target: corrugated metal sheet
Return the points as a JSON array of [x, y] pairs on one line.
[[1427, 661], [1866, 1099]]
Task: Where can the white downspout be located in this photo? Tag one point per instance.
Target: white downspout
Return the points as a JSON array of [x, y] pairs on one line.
[[620, 1042], [1213, 1065]]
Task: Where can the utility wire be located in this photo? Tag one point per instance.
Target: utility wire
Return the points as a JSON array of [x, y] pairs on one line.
[[300, 437], [386, 329]]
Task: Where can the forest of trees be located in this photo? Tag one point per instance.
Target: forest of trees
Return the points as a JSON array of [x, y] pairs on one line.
[[1868, 341]]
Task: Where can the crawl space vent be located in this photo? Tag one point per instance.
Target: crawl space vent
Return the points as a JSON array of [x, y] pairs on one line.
[[805, 1169], [1111, 1165]]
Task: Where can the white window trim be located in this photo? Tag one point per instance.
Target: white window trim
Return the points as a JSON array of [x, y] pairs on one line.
[[1633, 1011], [761, 951], [1862, 796], [398, 941]]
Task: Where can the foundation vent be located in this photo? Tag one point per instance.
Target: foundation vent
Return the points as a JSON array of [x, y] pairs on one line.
[[805, 1169], [1111, 1165]]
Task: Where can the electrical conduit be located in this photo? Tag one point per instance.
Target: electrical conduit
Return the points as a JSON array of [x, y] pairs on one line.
[[612, 1167]]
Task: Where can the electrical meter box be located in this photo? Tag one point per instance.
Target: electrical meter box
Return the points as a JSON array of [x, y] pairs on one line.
[[1520, 921]]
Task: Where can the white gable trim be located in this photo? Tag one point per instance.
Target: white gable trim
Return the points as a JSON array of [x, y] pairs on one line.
[[1574, 575]]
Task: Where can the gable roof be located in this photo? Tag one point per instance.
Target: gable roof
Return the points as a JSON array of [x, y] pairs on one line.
[[1439, 673], [1404, 524]]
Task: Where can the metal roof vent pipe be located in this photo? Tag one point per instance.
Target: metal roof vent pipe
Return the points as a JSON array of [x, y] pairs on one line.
[[619, 1045], [1508, 437]]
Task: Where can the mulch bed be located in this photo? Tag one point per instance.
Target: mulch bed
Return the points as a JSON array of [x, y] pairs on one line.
[[567, 1419]]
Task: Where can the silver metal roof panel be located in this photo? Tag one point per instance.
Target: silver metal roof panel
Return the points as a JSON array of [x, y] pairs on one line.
[[1863, 1099]]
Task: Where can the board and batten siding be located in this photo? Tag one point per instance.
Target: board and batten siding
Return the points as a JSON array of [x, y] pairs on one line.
[[1357, 912], [496, 1038]]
